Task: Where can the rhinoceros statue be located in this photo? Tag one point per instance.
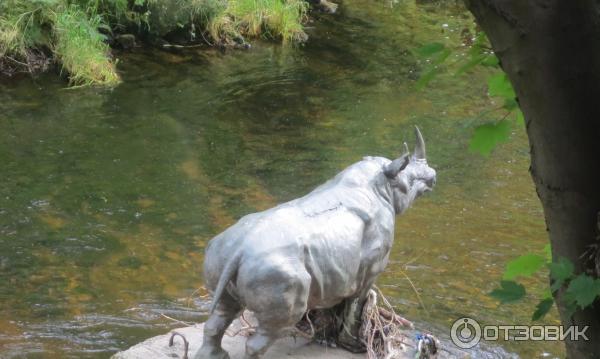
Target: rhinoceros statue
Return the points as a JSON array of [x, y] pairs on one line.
[[318, 251]]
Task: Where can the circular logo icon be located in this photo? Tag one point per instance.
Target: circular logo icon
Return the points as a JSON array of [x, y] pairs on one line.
[[465, 333]]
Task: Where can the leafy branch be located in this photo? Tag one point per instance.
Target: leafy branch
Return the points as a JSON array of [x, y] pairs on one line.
[[581, 289], [486, 136]]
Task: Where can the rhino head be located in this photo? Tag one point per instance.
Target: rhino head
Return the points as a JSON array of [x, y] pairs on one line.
[[409, 175]]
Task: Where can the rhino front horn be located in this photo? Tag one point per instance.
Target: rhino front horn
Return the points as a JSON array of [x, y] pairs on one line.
[[420, 146]]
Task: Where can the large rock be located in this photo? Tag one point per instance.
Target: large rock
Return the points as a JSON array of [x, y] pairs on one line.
[[299, 348], [288, 347]]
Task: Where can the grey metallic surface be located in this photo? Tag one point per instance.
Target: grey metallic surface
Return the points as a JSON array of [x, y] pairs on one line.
[[313, 252]]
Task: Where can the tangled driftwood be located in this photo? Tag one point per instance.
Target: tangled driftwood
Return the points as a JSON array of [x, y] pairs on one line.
[[383, 332]]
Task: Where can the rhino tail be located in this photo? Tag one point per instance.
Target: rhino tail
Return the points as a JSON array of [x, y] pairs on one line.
[[228, 272]]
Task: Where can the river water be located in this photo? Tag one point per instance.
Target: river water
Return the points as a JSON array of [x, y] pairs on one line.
[[107, 197]]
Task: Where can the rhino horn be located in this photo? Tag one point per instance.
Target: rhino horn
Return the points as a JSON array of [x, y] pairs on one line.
[[392, 169], [420, 146]]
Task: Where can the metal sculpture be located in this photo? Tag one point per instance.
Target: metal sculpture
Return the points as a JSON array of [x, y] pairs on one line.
[[316, 251]]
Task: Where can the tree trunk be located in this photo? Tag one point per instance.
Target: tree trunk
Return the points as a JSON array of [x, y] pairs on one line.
[[550, 50]]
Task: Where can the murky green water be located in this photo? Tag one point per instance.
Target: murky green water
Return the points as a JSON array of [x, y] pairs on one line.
[[107, 197]]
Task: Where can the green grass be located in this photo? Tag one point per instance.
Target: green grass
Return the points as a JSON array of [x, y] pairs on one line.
[[274, 18], [59, 29], [81, 49], [73, 31], [21, 25]]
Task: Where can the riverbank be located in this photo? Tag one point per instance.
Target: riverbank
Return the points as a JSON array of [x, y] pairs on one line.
[[78, 36]]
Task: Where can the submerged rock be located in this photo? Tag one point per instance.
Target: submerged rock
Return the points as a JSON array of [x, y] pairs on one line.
[[326, 6], [126, 41]]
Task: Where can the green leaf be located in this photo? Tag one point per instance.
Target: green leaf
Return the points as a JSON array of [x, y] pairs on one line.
[[559, 272], [556, 286], [570, 308], [583, 290], [475, 60], [498, 85], [520, 120], [542, 308], [426, 77], [441, 57], [491, 60], [524, 265], [562, 270], [433, 69], [479, 43], [509, 291], [487, 136], [429, 49], [510, 104]]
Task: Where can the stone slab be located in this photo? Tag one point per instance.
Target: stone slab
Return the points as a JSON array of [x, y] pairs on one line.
[[158, 348], [287, 347]]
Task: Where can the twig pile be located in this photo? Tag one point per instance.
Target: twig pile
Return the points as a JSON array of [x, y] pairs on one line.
[[380, 329], [383, 332]]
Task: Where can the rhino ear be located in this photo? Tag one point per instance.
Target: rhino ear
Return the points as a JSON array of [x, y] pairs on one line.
[[406, 150], [392, 169]]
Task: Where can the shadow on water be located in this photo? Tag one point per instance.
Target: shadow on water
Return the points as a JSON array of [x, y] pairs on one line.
[[108, 197]]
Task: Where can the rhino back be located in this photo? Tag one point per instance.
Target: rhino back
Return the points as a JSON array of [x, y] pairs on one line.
[[326, 246], [323, 231]]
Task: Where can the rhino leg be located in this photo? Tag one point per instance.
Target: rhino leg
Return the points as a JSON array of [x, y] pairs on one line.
[[259, 342], [268, 332], [278, 309], [349, 337], [226, 311]]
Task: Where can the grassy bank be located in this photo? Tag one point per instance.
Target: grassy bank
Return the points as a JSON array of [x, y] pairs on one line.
[[76, 33]]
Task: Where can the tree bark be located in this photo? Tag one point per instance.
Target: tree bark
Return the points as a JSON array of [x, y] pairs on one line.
[[550, 50]]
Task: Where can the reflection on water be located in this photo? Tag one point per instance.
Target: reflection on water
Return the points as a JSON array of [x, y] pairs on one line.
[[107, 197]]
